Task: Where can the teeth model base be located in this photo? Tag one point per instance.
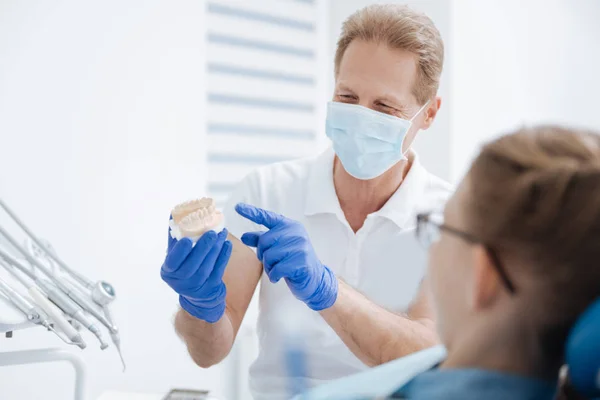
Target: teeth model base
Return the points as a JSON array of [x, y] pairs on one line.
[[192, 218]]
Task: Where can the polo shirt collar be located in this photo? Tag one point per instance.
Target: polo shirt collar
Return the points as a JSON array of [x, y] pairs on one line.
[[321, 197], [402, 206], [320, 191]]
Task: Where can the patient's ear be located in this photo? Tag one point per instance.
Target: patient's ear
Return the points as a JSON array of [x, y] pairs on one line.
[[485, 283]]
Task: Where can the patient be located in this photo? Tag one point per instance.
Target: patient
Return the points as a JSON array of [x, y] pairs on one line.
[[514, 261], [513, 265]]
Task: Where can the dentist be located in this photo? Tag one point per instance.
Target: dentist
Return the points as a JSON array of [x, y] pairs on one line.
[[340, 225]]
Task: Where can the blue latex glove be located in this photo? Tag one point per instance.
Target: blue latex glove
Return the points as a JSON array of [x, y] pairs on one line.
[[196, 273], [286, 252]]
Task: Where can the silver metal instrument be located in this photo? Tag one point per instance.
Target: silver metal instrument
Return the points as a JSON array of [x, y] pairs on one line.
[[77, 296]]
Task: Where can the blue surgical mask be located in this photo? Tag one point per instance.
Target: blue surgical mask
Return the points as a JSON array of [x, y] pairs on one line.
[[367, 142]]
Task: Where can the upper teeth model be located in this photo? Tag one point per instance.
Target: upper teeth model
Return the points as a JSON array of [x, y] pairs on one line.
[[192, 218]]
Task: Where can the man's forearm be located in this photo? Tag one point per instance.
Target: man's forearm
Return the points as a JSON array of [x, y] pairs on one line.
[[374, 334], [208, 344]]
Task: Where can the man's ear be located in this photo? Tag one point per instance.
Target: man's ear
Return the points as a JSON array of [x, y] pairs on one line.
[[431, 112], [485, 284], [427, 116]]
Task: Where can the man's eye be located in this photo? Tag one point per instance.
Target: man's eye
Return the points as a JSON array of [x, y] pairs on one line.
[[386, 106], [386, 109], [347, 98]]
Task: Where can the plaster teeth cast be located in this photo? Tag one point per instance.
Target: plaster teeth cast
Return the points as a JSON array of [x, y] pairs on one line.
[[192, 218], [184, 209]]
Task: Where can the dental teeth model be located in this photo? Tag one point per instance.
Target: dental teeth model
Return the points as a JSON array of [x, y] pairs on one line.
[[192, 218]]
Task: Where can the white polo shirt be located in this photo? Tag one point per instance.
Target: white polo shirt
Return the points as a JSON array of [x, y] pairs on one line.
[[382, 260]]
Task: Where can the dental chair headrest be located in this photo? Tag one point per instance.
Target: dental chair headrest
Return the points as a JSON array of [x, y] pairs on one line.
[[583, 352]]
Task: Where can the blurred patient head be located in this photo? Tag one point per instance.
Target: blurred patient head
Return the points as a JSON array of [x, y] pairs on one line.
[[517, 257]]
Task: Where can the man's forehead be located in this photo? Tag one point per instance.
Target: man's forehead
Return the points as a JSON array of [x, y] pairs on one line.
[[376, 68]]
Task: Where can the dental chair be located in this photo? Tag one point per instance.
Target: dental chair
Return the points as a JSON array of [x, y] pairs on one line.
[[582, 358], [583, 353]]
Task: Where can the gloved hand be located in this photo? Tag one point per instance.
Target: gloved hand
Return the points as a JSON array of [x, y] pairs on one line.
[[286, 252], [196, 273]]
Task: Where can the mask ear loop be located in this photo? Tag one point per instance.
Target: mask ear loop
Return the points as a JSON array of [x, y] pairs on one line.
[[420, 109], [411, 121]]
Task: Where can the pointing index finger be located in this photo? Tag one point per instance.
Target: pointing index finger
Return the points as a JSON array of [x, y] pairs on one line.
[[258, 215]]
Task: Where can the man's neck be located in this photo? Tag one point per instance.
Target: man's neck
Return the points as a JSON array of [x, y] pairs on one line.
[[359, 198]]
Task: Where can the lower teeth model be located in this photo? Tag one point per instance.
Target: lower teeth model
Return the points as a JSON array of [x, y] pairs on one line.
[[193, 218]]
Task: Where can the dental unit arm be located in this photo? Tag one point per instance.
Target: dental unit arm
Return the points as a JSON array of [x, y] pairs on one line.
[[76, 297]]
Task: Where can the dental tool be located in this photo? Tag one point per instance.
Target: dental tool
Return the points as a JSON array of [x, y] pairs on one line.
[[102, 293], [72, 291], [102, 290], [34, 314], [68, 306], [57, 317], [44, 309], [71, 308], [20, 302]]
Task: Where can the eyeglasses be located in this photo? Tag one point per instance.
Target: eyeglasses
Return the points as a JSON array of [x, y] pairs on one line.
[[429, 229]]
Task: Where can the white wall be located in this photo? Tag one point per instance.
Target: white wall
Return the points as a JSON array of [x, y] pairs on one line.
[[101, 121], [264, 105], [433, 144], [521, 62]]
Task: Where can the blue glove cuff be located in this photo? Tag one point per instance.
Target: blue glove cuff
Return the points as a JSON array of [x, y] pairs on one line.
[[326, 293], [207, 310]]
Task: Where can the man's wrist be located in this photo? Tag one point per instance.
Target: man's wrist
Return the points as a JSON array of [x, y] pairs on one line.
[[208, 314], [210, 309], [326, 293]]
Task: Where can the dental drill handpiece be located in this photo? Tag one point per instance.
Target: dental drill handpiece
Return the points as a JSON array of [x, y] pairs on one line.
[[114, 333], [21, 303], [46, 310], [69, 307], [104, 295], [34, 314]]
